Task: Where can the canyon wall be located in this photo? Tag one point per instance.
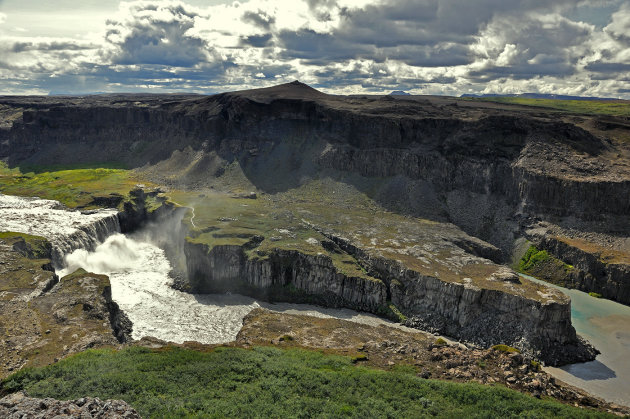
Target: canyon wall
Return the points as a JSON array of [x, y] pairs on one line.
[[497, 155], [590, 272], [481, 316]]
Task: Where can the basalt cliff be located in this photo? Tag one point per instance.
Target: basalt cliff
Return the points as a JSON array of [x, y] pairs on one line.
[[409, 207]]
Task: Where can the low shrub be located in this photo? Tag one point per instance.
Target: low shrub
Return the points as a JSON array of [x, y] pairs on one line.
[[270, 382], [505, 348], [440, 342]]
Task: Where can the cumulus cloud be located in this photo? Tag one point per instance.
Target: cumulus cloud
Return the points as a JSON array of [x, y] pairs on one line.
[[530, 45], [156, 33], [346, 46], [619, 27]]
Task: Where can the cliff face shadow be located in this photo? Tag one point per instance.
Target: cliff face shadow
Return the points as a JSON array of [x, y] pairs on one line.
[[481, 215], [589, 371]]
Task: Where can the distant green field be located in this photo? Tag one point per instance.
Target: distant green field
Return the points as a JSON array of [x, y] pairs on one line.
[[589, 107], [271, 383]]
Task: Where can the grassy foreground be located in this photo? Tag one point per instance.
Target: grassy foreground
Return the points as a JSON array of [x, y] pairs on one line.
[[269, 382]]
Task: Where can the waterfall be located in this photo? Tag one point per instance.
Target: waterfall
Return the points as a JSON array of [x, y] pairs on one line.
[[67, 230], [86, 237]]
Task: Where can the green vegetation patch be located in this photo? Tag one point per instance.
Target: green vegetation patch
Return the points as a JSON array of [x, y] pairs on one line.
[[74, 187], [401, 317], [541, 264], [589, 107], [595, 294], [440, 342], [506, 349], [269, 382], [37, 247], [531, 258]]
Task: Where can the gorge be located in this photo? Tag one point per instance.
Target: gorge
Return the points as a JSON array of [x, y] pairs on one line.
[[414, 209]]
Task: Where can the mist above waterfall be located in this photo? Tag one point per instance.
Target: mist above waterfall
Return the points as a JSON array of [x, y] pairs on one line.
[[117, 253]]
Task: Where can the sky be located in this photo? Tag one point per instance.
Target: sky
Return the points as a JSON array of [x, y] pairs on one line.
[[444, 47]]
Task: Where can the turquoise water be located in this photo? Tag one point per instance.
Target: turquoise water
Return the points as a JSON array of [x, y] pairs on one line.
[[606, 324]]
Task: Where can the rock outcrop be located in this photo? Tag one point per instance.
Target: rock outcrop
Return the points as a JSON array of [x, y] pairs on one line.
[[593, 269], [45, 319], [19, 405], [283, 275]]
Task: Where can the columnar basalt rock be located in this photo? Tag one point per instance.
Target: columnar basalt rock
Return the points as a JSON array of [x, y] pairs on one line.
[[481, 316], [589, 273], [283, 275]]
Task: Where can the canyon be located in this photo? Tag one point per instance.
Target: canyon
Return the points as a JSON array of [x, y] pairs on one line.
[[412, 208]]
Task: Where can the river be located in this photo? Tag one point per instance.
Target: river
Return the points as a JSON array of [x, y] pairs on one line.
[[606, 324]]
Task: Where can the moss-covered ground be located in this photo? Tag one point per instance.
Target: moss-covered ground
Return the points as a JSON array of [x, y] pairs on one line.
[[74, 187], [270, 382], [542, 265]]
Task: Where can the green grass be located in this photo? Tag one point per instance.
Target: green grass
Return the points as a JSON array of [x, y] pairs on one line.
[[270, 382], [589, 107], [531, 258], [39, 168], [74, 187], [595, 294], [39, 246]]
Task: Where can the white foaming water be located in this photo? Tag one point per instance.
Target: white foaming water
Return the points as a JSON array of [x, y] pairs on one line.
[[67, 230], [138, 272]]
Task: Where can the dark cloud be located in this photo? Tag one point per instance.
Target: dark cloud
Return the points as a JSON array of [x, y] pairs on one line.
[[427, 56], [257, 41], [602, 67], [314, 47], [259, 18], [50, 46], [420, 33]]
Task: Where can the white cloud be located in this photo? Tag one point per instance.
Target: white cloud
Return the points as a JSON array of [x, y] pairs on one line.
[[350, 46]]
